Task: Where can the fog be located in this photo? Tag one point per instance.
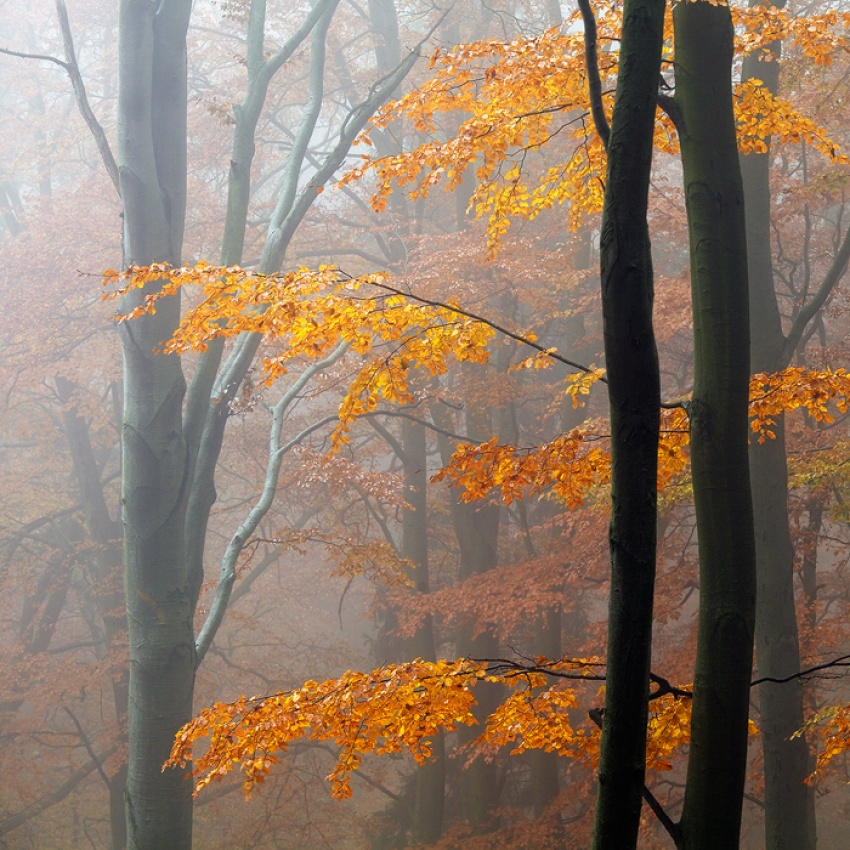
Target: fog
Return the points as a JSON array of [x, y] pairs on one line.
[[370, 425]]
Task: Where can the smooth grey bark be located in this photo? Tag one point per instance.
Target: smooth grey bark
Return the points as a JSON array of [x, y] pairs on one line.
[[152, 169], [169, 463], [278, 449], [160, 471], [261, 71], [711, 816], [215, 385], [789, 802], [634, 395]]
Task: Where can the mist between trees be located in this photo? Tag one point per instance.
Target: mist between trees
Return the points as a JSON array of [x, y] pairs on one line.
[[429, 418]]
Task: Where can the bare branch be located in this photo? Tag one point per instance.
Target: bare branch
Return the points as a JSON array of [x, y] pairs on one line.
[[41, 57], [594, 83], [87, 743], [810, 310], [12, 822], [73, 70]]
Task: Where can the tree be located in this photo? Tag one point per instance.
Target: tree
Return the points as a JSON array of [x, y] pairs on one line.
[[711, 816], [789, 802], [169, 460], [634, 393]]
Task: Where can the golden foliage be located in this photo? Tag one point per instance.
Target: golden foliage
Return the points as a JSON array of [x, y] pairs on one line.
[[820, 393], [573, 464], [308, 313], [401, 707], [391, 708], [494, 103], [832, 726]]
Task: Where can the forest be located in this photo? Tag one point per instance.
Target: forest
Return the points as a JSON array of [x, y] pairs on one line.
[[425, 424]]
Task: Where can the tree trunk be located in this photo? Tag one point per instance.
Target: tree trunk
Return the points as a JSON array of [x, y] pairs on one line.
[[430, 778], [711, 815], [152, 167], [477, 530], [634, 395], [789, 803], [545, 779], [109, 598]]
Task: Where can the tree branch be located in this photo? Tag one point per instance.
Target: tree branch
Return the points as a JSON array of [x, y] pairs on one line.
[[38, 56], [496, 327], [810, 310], [237, 542], [31, 811], [73, 70], [86, 743], [841, 661], [594, 83]]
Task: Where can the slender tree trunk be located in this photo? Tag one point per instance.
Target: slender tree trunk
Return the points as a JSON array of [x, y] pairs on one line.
[[634, 394], [109, 599], [546, 767], [152, 167], [477, 530], [711, 816], [430, 778], [789, 803], [545, 780]]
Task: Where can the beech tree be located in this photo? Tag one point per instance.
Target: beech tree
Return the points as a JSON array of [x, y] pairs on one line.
[[711, 816], [634, 393], [789, 800], [171, 445]]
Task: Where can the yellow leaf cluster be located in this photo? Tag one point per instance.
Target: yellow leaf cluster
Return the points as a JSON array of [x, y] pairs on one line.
[[307, 313], [761, 115], [820, 393], [580, 383], [568, 465], [400, 707], [669, 729], [512, 98], [389, 709], [832, 728], [573, 464], [818, 36], [493, 103], [539, 721]]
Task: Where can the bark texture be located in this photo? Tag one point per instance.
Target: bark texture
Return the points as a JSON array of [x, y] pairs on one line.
[[152, 168], [633, 389], [711, 816]]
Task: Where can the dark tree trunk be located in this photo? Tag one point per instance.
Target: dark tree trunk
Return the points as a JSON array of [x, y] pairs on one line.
[[711, 816], [634, 394]]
